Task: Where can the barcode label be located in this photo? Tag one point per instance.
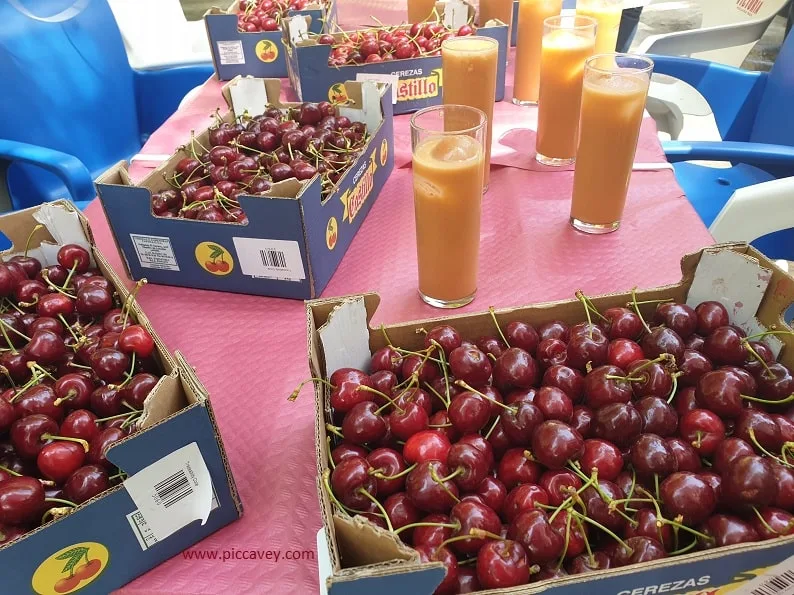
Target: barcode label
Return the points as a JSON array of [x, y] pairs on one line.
[[171, 493], [270, 259], [273, 258], [777, 585]]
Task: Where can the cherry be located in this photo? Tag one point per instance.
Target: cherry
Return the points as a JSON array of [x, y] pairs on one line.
[[686, 456], [554, 404], [648, 524], [425, 370], [589, 346], [651, 456], [662, 340], [686, 400], [520, 422], [533, 530], [786, 427], [472, 515], [58, 460], [80, 423], [567, 379], [16, 364], [136, 339], [447, 558], [363, 423], [492, 492], [386, 359], [558, 484], [7, 415], [556, 329], [658, 417], [679, 317], [74, 256], [427, 488], [492, 346], [653, 379], [446, 336], [584, 563], [38, 399], [727, 530], [85, 483], [757, 427], [87, 569], [469, 412], [45, 347], [695, 342], [752, 364], [703, 429], [724, 346], [138, 389], [575, 532], [604, 386], [498, 440], [26, 434], [502, 564], [711, 315], [749, 481], [414, 395], [582, 420], [600, 510], [439, 422], [470, 365], [346, 393], [349, 480], [515, 368], [99, 446], [106, 401], [347, 450], [516, 468], [401, 512], [775, 384], [21, 500], [552, 352], [29, 291], [434, 533], [621, 323], [601, 456], [113, 321], [555, 443], [471, 463], [73, 390], [30, 265], [93, 300], [383, 381], [523, 336], [53, 304], [776, 523], [641, 549], [428, 445], [109, 364], [619, 423], [522, 498], [624, 352], [686, 494], [693, 365], [747, 383]]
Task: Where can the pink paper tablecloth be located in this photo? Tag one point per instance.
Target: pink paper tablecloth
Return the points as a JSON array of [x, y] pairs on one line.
[[251, 351]]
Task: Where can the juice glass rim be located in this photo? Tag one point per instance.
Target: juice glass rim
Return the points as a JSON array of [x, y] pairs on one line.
[[580, 22], [590, 63], [437, 108], [451, 40]]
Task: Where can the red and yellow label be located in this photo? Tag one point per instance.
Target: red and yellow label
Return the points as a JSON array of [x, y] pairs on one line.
[[331, 233], [266, 50], [214, 258], [338, 93], [70, 569], [425, 87], [354, 198], [384, 152]]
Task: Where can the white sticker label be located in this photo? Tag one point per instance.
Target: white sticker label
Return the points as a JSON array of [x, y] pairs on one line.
[[172, 492], [143, 531], [155, 252], [778, 580], [456, 14], [270, 259], [392, 79], [298, 29], [231, 52]]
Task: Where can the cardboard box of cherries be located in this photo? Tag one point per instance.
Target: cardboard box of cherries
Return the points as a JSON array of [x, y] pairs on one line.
[[642, 440], [109, 452]]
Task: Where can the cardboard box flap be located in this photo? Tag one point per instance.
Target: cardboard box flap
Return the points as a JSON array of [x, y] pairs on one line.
[[345, 336], [248, 94], [361, 543]]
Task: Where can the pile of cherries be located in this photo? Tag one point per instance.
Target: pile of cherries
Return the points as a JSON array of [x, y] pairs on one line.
[[75, 369], [248, 155], [541, 452], [266, 15], [390, 43]]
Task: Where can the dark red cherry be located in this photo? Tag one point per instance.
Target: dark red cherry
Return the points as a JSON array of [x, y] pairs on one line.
[[678, 317], [516, 467], [427, 490], [658, 417], [515, 368], [80, 423], [552, 352], [727, 530], [589, 346], [601, 456], [686, 494], [72, 256], [21, 500], [523, 336], [502, 564], [523, 498], [724, 347], [711, 315], [605, 385], [97, 452], [555, 443], [693, 366], [559, 485], [749, 481], [470, 365], [619, 423], [703, 429], [567, 379], [468, 515], [85, 483], [446, 336], [651, 456], [622, 323], [662, 340], [686, 456], [556, 329], [533, 530], [45, 347]]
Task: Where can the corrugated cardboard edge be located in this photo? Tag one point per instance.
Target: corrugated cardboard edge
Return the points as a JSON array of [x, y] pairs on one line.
[[779, 296]]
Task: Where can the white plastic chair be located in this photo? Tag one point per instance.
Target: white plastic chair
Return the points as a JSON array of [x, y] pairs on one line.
[[157, 35]]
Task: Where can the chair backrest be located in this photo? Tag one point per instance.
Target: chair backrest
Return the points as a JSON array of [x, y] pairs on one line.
[[774, 121], [67, 84]]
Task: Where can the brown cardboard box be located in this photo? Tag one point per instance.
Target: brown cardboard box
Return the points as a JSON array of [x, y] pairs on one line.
[[366, 558]]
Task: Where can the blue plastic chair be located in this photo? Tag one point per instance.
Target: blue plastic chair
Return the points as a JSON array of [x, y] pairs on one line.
[[70, 105], [754, 115]]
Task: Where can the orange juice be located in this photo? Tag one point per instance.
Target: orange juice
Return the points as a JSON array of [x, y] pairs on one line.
[[497, 9], [607, 14], [420, 10], [448, 173], [612, 109], [469, 66], [531, 14], [561, 70]]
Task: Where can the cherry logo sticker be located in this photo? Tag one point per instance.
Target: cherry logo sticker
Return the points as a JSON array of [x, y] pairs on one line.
[[331, 233], [338, 94], [266, 50], [384, 152], [214, 258], [70, 569]]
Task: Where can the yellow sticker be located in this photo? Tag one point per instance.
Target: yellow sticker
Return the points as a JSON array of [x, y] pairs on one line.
[[266, 50], [338, 94], [70, 569], [331, 233], [214, 258], [384, 152]]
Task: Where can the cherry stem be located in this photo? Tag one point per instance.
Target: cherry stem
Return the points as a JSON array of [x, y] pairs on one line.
[[69, 396], [330, 454], [389, 400], [337, 431], [414, 525], [30, 237], [788, 399], [4, 371], [32, 382], [463, 384], [5, 336], [483, 534], [424, 354], [56, 513], [492, 428], [131, 300], [379, 475], [766, 525], [332, 496], [69, 328], [297, 391], [684, 550], [119, 415], [443, 368], [440, 398], [51, 285], [440, 482], [586, 541], [656, 485], [61, 501], [687, 529], [453, 475], [755, 354], [698, 442], [492, 312], [5, 325], [71, 274], [569, 500], [600, 526], [754, 440], [636, 305], [385, 335], [117, 475], [567, 540], [375, 501], [79, 441], [35, 367], [589, 305], [10, 471], [674, 389]]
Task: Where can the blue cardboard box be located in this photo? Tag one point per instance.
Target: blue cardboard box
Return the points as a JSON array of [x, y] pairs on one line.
[[114, 532], [418, 81], [294, 239], [260, 54], [357, 558]]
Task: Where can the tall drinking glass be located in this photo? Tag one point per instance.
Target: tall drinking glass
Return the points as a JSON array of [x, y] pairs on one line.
[[607, 15], [567, 42], [497, 9], [469, 65], [448, 167], [613, 100], [531, 14], [420, 10]]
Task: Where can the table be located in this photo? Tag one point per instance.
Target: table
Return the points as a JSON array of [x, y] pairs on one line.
[[251, 351]]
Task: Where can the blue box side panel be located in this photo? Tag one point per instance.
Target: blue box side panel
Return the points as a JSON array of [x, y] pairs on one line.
[[323, 219], [104, 521], [128, 211], [514, 30], [223, 28]]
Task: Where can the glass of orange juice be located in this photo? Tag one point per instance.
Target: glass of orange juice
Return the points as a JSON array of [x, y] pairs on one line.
[[531, 14], [448, 143], [613, 101], [420, 10], [567, 42], [469, 64], [497, 9], [607, 14]]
